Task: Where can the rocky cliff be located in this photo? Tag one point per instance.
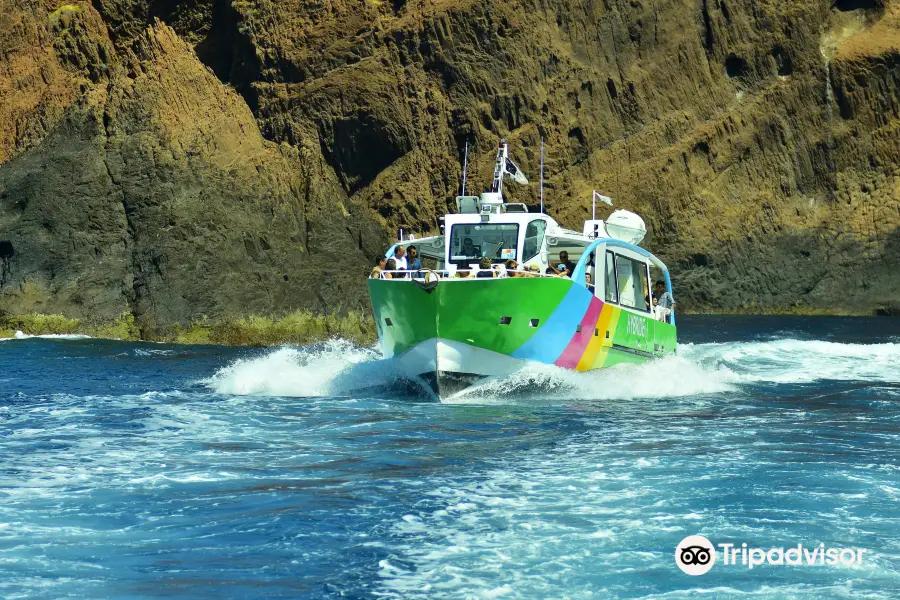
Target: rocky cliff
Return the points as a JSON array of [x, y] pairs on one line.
[[218, 158]]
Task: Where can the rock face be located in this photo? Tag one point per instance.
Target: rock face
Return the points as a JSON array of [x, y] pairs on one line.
[[155, 193], [220, 158]]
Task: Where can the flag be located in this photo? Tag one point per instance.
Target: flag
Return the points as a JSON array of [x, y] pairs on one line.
[[602, 198], [513, 171]]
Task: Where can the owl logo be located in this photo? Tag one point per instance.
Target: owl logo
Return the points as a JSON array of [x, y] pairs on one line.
[[695, 555]]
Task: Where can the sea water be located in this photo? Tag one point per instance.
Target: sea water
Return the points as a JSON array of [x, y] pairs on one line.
[[140, 470]]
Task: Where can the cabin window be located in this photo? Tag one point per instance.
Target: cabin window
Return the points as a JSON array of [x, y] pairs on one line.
[[534, 239], [612, 291], [469, 243], [633, 283]]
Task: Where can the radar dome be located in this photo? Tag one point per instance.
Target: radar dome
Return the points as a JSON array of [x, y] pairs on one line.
[[626, 226]]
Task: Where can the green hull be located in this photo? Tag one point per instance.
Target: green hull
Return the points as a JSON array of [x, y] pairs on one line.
[[494, 326]]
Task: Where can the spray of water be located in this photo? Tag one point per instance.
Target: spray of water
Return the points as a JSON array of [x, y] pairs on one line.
[[19, 335], [340, 368], [800, 361], [335, 368], [669, 377]]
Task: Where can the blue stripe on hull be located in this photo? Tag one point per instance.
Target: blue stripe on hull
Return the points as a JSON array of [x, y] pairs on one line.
[[549, 342]]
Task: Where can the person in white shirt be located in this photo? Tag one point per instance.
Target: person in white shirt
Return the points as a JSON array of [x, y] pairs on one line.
[[400, 258]]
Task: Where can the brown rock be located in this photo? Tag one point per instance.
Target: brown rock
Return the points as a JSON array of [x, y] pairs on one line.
[[158, 195], [758, 139]]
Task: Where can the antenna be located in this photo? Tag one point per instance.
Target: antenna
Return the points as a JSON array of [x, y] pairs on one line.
[[500, 167], [465, 168], [542, 174]]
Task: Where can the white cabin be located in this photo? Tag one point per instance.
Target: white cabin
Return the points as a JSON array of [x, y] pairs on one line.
[[619, 271]]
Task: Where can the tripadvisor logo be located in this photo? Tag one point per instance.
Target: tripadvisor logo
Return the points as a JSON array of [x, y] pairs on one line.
[[696, 555]]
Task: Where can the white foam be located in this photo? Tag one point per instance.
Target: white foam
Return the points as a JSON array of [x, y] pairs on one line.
[[340, 368], [700, 369], [20, 335], [150, 352], [328, 370], [672, 376], [800, 361]]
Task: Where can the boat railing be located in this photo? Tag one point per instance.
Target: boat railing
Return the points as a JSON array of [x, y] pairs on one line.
[[429, 278], [446, 275]]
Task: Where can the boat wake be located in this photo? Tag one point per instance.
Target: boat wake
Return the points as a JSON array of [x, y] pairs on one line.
[[800, 361], [339, 368], [335, 368], [19, 335]]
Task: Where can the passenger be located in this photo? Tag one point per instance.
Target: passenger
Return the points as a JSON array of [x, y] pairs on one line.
[[484, 269], [468, 248], [415, 263], [565, 266], [588, 282], [400, 258], [511, 267], [664, 300], [379, 267], [390, 265], [463, 273]]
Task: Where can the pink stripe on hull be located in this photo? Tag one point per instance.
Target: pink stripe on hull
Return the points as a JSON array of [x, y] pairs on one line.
[[575, 350]]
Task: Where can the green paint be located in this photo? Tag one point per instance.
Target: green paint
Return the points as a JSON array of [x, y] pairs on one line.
[[471, 311], [465, 311]]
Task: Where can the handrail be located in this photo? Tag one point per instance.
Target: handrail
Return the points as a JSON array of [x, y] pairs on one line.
[[403, 275], [581, 267], [446, 275]]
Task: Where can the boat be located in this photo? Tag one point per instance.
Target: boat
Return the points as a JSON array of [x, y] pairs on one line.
[[450, 330]]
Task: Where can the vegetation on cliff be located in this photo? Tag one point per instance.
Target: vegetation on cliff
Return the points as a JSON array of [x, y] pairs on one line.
[[298, 328]]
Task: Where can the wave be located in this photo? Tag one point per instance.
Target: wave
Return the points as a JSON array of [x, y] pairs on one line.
[[340, 368], [669, 377], [20, 335], [335, 368], [800, 361]]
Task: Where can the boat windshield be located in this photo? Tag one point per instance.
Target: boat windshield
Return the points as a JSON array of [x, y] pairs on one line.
[[471, 242]]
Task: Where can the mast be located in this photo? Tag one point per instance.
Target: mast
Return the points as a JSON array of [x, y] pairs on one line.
[[542, 174], [500, 168], [465, 168], [594, 197]]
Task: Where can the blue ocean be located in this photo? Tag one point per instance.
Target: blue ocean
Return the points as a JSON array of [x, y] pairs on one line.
[[144, 470]]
